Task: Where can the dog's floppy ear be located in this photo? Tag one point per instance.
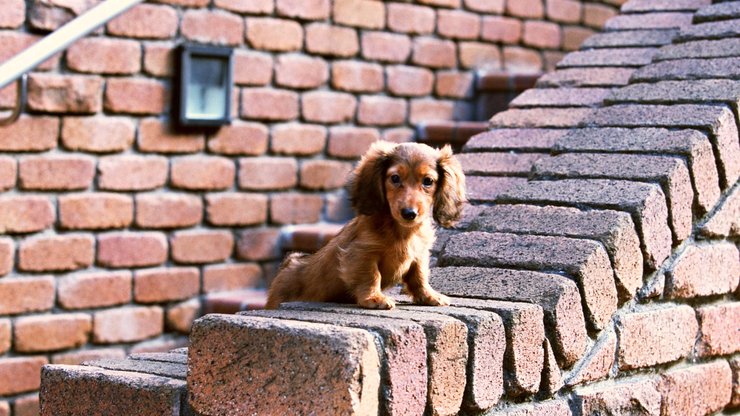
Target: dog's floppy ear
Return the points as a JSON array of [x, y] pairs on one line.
[[365, 188], [450, 194]]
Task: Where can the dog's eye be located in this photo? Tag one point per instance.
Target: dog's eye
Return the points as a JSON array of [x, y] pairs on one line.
[[395, 179], [427, 182]]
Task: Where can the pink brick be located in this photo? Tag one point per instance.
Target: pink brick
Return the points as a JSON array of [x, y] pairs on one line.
[[526, 8], [435, 53], [367, 14], [351, 142], [128, 249], [567, 11], [298, 139], [159, 58], [57, 253], [202, 173], [5, 336], [425, 109], [269, 104], [300, 71], [212, 27], [596, 15], [324, 174], [265, 173], [718, 329], [246, 6], [295, 208], [51, 332], [166, 284], [56, 93], [104, 56], [458, 24], [201, 246], [180, 317], [13, 14], [409, 18], [381, 111], [252, 68], [132, 172], [239, 138], [94, 289], [387, 47], [574, 36], [8, 172], [135, 96], [274, 34], [501, 29], [98, 134], [127, 324], [454, 84], [95, 211], [146, 21], [236, 209], [156, 136], [55, 172], [704, 270], [486, 6], [26, 294], [25, 214], [356, 76], [258, 244], [21, 374], [30, 134], [521, 59], [325, 39], [168, 210], [11, 43], [409, 80], [544, 35], [479, 55], [696, 390], [7, 255], [224, 277], [304, 9], [328, 107]]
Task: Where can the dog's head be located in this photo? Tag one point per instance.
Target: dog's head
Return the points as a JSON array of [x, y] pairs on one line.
[[409, 181]]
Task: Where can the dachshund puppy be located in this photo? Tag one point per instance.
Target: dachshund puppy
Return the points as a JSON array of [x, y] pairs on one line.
[[397, 191]]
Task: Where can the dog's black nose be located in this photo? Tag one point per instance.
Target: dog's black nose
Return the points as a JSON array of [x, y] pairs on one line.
[[408, 213]]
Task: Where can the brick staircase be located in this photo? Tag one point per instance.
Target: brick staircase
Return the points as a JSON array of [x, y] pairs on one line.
[[596, 273]]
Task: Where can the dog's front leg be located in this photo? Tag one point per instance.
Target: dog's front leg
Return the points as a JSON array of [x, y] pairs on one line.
[[365, 278], [417, 283]]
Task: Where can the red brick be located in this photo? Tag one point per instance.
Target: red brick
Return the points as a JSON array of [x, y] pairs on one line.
[[328, 106], [135, 96], [351, 142], [324, 174], [718, 328], [236, 209], [565, 11], [5, 335], [409, 18], [526, 8], [168, 210], [486, 6], [697, 390], [409, 80], [246, 6], [166, 284], [300, 71], [13, 14], [704, 270], [598, 363], [225, 277], [146, 21], [159, 59], [94, 289], [381, 111], [217, 27], [252, 68], [521, 59], [202, 246], [596, 15], [7, 255], [299, 139], [574, 36], [53, 14], [56, 93], [25, 214], [202, 173], [325, 39], [180, 317], [356, 76], [26, 294], [11, 43], [104, 56], [479, 55], [274, 34], [80, 356], [501, 29], [655, 336], [303, 9], [21, 374], [27, 405], [128, 249], [366, 14], [269, 104], [425, 109], [55, 172], [98, 134], [258, 244], [458, 24], [127, 324], [638, 397], [95, 211], [386, 47], [156, 136], [59, 253], [239, 138], [51, 332], [454, 84], [264, 173], [132, 172], [726, 219], [295, 208], [30, 134], [543, 35]]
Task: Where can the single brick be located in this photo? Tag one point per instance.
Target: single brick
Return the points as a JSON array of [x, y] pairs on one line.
[[265, 173], [94, 289], [561, 97], [180, 317], [201, 246], [565, 11], [252, 68], [458, 24], [716, 12], [434, 53], [381, 111], [699, 389], [95, 211], [616, 57], [631, 38], [225, 277], [25, 214], [159, 58], [646, 203], [300, 71], [514, 139], [678, 92], [409, 80], [704, 270], [146, 21], [20, 374], [351, 142], [246, 6], [488, 188], [55, 172], [240, 138], [725, 220], [324, 174], [479, 55], [501, 29], [454, 84], [541, 117], [366, 14], [5, 335], [308, 10], [357, 76], [649, 21], [202, 173], [166, 284], [51, 332], [718, 329], [586, 77], [127, 324], [127, 249], [410, 18], [526, 8], [700, 49], [26, 294], [295, 208], [7, 255], [269, 104], [143, 365], [104, 56], [236, 209], [299, 139], [663, 5], [135, 96], [30, 134], [325, 39], [98, 134], [689, 69], [386, 47], [157, 136], [207, 26], [272, 34], [168, 210], [342, 362], [56, 253], [328, 107], [639, 397], [709, 30], [259, 244], [55, 93], [543, 35], [557, 296], [655, 336], [132, 172], [486, 164], [427, 109]]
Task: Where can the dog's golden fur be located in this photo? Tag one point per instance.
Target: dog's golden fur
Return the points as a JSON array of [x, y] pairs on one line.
[[383, 246]]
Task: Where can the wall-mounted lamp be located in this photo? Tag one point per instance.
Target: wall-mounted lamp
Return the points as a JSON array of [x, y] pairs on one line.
[[206, 82]]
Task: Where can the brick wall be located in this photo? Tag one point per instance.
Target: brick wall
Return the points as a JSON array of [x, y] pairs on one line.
[[114, 226]]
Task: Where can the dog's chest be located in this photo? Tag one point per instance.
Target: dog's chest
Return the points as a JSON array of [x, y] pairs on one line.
[[397, 261]]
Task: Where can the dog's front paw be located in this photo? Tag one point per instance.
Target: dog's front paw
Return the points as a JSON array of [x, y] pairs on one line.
[[377, 302], [432, 299]]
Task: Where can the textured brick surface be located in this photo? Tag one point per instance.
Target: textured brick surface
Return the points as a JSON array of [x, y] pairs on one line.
[[49, 333], [627, 57], [97, 134], [558, 407], [704, 270], [269, 104], [24, 214], [434, 53], [726, 219], [201, 246], [95, 211], [78, 94], [386, 47], [675, 92], [21, 374], [94, 289], [710, 30], [700, 49], [127, 249], [26, 294], [202, 173], [299, 139], [598, 363], [670, 20], [298, 71], [408, 18], [240, 139], [696, 390], [127, 324], [343, 363], [360, 13], [55, 172], [135, 96], [561, 97], [104, 56], [324, 39], [688, 69], [327, 107], [155, 136], [586, 77], [226, 277], [145, 21], [160, 210], [541, 117], [630, 38], [263, 173], [166, 284], [510, 163], [56, 253], [636, 397], [235, 209], [514, 139], [717, 325]]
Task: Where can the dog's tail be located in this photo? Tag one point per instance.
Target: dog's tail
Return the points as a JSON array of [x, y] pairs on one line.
[[287, 284]]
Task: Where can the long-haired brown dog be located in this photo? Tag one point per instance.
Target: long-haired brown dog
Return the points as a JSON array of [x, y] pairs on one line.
[[396, 190]]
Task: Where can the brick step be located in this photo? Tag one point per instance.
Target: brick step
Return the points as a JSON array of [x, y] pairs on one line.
[[454, 133]]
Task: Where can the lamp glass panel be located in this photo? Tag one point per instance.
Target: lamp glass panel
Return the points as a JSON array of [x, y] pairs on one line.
[[207, 94]]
